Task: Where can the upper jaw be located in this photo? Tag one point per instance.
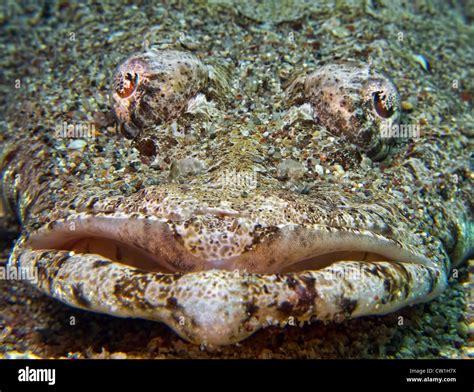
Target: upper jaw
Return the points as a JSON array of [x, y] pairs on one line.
[[157, 244]]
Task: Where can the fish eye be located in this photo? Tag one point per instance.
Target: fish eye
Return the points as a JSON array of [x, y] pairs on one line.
[[156, 86], [381, 106], [126, 84], [352, 101]]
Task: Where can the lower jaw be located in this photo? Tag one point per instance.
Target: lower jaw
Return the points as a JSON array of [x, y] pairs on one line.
[[220, 307], [119, 268]]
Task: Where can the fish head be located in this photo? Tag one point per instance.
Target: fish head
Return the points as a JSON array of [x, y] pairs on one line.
[[244, 214]]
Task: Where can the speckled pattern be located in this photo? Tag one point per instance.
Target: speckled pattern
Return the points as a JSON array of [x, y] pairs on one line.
[[352, 101], [155, 86], [34, 325], [230, 255]]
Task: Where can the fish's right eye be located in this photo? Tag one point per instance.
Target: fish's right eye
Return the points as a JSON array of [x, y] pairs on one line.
[[154, 87]]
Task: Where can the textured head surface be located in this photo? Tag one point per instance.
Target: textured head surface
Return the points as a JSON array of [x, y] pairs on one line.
[[354, 101], [155, 86], [235, 202]]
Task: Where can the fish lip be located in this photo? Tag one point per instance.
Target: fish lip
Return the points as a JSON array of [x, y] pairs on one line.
[[291, 245], [218, 307]]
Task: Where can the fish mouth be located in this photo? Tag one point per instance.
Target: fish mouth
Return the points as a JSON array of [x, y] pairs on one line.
[[142, 267], [154, 245]]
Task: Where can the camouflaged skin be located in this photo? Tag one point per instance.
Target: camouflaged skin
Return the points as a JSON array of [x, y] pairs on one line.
[[229, 252]]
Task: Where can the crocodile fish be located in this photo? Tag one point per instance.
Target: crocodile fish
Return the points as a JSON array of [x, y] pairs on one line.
[[223, 207]]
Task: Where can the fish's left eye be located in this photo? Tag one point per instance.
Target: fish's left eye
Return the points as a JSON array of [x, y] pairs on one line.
[[352, 101], [125, 85], [381, 106]]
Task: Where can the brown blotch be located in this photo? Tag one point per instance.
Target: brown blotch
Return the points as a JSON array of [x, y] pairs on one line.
[[77, 292], [348, 306], [100, 263], [291, 282], [146, 147], [251, 308], [172, 304], [306, 292], [285, 307]]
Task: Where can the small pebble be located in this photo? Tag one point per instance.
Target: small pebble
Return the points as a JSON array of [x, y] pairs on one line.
[[186, 167], [407, 106], [420, 59], [320, 170], [439, 322], [118, 356], [430, 331], [462, 329], [77, 144], [338, 170], [290, 169], [471, 328]]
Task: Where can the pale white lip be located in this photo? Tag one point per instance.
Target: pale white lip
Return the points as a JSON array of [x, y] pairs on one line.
[[149, 244]]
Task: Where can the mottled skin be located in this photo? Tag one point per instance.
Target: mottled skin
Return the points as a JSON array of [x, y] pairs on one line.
[[147, 91], [220, 257], [352, 101]]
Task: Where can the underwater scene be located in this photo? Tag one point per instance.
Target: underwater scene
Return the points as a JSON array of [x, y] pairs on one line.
[[236, 179]]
